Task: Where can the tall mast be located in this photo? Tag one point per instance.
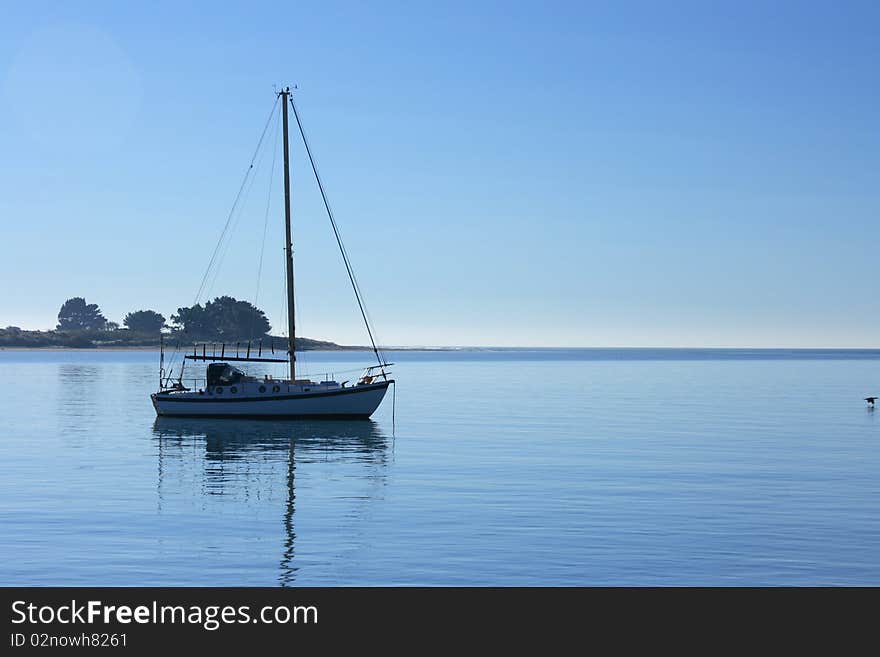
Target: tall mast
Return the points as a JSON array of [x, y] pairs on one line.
[[291, 329]]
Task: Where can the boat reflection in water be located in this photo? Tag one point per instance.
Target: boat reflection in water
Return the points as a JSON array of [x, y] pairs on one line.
[[251, 465]]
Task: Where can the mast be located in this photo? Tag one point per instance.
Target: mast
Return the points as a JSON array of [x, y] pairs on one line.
[[291, 328]]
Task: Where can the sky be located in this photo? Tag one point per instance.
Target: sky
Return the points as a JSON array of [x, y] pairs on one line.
[[509, 174]]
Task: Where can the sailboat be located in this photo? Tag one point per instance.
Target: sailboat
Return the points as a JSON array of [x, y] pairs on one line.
[[229, 392]]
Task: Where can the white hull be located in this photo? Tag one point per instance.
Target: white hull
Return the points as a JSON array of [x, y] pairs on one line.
[[351, 402]]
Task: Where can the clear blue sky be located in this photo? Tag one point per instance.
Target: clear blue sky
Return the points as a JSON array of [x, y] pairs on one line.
[[559, 174]]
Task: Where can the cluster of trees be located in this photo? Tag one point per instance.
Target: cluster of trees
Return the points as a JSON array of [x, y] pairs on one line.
[[82, 324], [77, 315], [224, 318]]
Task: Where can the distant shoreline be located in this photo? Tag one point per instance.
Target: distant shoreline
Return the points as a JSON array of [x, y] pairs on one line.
[[328, 349], [338, 348], [156, 348]]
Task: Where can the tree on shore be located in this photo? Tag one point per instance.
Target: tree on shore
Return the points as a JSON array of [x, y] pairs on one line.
[[77, 315], [144, 321], [224, 318]]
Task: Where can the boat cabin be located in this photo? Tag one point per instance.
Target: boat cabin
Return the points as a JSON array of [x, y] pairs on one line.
[[224, 374]]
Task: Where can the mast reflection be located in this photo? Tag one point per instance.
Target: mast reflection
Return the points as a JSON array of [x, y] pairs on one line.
[[246, 457]]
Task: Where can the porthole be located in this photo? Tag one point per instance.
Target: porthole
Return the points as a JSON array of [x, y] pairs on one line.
[[219, 390], [233, 390], [262, 388], [276, 388]]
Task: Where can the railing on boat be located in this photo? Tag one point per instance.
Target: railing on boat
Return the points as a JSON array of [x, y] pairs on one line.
[[369, 374], [202, 382]]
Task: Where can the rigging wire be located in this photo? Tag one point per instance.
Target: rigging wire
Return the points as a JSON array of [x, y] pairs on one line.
[[265, 224], [345, 259], [235, 202], [175, 353], [227, 244]]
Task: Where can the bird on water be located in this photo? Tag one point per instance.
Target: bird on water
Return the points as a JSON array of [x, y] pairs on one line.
[[871, 401]]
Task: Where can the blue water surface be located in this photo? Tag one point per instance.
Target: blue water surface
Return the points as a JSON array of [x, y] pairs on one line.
[[500, 467]]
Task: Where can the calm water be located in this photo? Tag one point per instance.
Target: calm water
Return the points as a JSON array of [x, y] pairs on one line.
[[502, 468]]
